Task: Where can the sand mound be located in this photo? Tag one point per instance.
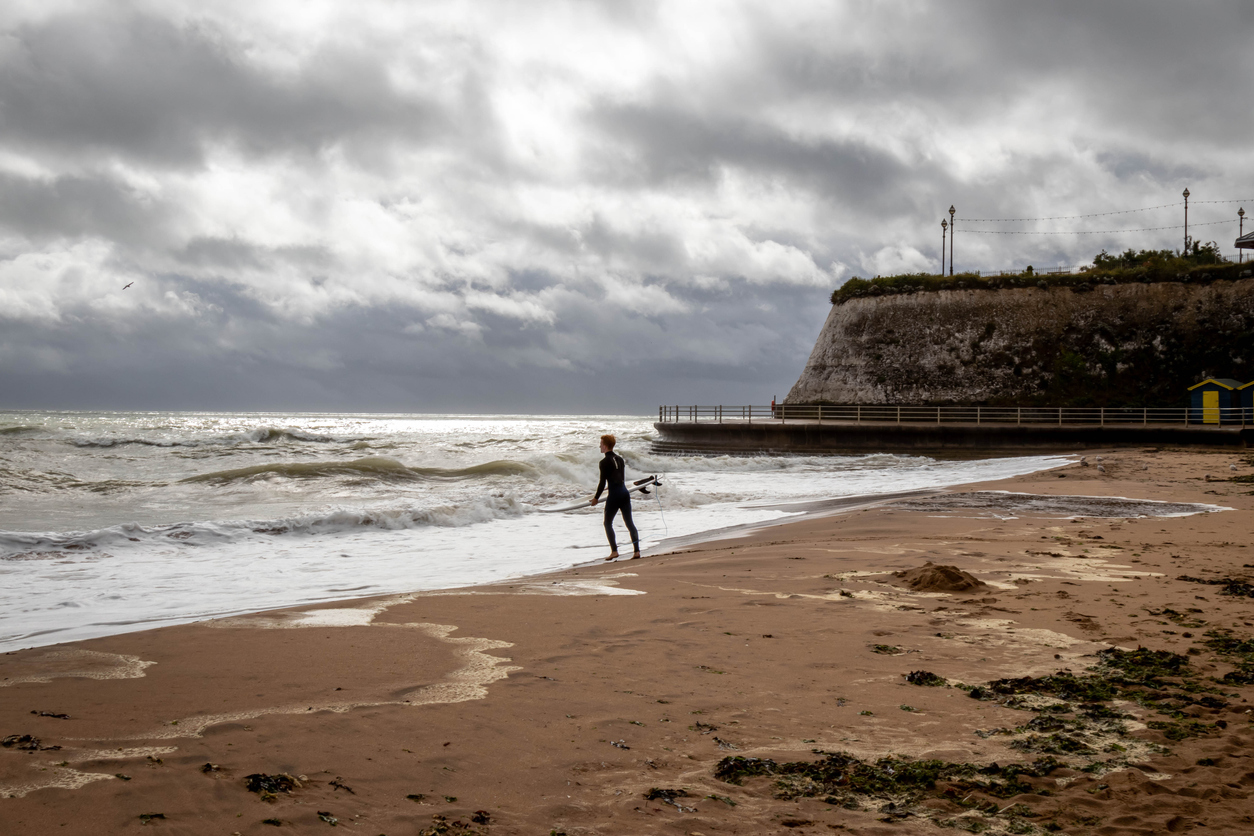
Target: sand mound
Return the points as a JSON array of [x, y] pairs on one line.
[[932, 578]]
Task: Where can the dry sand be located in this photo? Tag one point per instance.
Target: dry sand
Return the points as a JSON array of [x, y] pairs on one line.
[[557, 704]]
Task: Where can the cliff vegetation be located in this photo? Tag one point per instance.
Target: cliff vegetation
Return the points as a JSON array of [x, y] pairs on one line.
[[1201, 265]]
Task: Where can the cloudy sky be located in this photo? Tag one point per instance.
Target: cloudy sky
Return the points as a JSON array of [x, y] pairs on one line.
[[559, 206]]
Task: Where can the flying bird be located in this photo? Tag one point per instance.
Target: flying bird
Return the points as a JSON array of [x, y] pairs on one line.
[[124, 288]]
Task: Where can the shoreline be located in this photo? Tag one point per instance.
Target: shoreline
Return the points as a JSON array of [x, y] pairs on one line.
[[560, 701], [793, 511]]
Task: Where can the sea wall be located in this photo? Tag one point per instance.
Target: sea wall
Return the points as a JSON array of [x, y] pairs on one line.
[[1122, 345], [814, 438]]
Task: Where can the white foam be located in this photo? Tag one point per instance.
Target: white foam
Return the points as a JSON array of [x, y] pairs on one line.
[[122, 542]]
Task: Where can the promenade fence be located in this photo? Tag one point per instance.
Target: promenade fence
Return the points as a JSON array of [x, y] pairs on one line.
[[1040, 415]]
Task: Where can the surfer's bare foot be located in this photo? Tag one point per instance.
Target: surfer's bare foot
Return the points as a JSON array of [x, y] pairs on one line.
[[612, 555], [635, 555]]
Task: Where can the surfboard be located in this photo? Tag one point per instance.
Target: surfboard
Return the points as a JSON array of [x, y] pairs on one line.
[[638, 485]]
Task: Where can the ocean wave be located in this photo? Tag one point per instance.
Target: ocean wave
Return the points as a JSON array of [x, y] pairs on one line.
[[38, 481], [19, 429], [259, 435], [264, 435], [20, 545], [375, 467]]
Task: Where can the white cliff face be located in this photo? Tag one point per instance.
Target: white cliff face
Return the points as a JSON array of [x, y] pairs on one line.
[[1125, 344]]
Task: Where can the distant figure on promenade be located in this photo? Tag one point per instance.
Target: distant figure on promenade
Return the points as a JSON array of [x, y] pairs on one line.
[[613, 474]]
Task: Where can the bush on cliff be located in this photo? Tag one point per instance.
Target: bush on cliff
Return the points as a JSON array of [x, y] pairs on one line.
[[1202, 264]]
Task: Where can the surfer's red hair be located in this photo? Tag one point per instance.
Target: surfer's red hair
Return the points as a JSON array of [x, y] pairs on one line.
[[609, 441]]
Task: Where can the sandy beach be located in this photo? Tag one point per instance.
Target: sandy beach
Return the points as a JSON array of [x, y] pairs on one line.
[[1084, 666]]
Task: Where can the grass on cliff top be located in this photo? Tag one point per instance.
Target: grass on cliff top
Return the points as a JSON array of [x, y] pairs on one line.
[[1202, 265]]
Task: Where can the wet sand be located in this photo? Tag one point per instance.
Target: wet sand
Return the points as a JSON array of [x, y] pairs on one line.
[[561, 703]]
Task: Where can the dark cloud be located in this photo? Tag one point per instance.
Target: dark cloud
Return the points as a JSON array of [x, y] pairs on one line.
[[135, 86], [558, 207], [73, 206], [667, 145]]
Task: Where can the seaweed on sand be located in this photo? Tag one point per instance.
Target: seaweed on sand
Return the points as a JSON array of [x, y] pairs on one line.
[[1238, 651], [926, 678], [1231, 586], [268, 786], [670, 797], [1075, 724]]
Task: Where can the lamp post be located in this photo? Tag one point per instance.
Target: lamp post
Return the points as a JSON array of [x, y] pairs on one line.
[[1186, 222], [944, 227], [1241, 217], [952, 231]]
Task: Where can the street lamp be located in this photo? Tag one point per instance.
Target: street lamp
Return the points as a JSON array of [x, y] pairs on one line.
[[944, 227], [951, 239], [1186, 222], [1241, 234]]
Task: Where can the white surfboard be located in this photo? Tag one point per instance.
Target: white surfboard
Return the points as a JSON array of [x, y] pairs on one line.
[[638, 485]]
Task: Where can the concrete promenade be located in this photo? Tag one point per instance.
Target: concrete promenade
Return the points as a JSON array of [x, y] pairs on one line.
[[817, 438]]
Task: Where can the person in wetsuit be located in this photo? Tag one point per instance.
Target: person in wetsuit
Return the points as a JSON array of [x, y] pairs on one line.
[[613, 473]]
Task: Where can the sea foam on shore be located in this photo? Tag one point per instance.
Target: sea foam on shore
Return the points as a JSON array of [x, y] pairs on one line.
[[114, 522]]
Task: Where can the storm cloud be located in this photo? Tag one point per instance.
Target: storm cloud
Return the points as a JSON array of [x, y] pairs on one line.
[[559, 206]]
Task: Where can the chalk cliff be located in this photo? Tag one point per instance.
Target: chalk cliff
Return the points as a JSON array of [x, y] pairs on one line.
[[1125, 344]]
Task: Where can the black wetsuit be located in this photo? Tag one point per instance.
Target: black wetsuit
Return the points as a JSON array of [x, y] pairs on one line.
[[613, 473]]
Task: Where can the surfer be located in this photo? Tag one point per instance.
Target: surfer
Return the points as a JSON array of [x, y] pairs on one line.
[[613, 473]]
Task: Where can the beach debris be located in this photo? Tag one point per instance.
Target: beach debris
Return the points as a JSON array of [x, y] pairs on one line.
[[669, 797], [26, 743], [440, 826], [328, 818], [416, 796], [723, 799], [926, 678], [481, 817], [272, 822], [932, 577], [887, 650], [723, 744], [209, 768], [621, 744], [54, 714], [121, 777], [338, 784], [1231, 586], [703, 728], [20, 741], [268, 786], [145, 818]]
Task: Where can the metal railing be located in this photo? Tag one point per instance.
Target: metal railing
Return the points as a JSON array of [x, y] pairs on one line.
[[820, 413]]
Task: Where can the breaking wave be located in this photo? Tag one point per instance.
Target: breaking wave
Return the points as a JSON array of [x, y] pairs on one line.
[[376, 467], [19, 545], [260, 435], [19, 429]]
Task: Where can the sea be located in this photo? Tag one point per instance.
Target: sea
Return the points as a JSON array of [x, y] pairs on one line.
[[112, 522]]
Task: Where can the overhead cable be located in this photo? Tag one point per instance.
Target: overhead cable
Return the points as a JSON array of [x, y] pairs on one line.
[[1100, 214], [1086, 231]]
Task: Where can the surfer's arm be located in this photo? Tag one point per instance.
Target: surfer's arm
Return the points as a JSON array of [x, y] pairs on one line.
[[601, 484]]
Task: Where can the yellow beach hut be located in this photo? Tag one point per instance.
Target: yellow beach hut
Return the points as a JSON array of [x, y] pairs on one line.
[[1214, 401]]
